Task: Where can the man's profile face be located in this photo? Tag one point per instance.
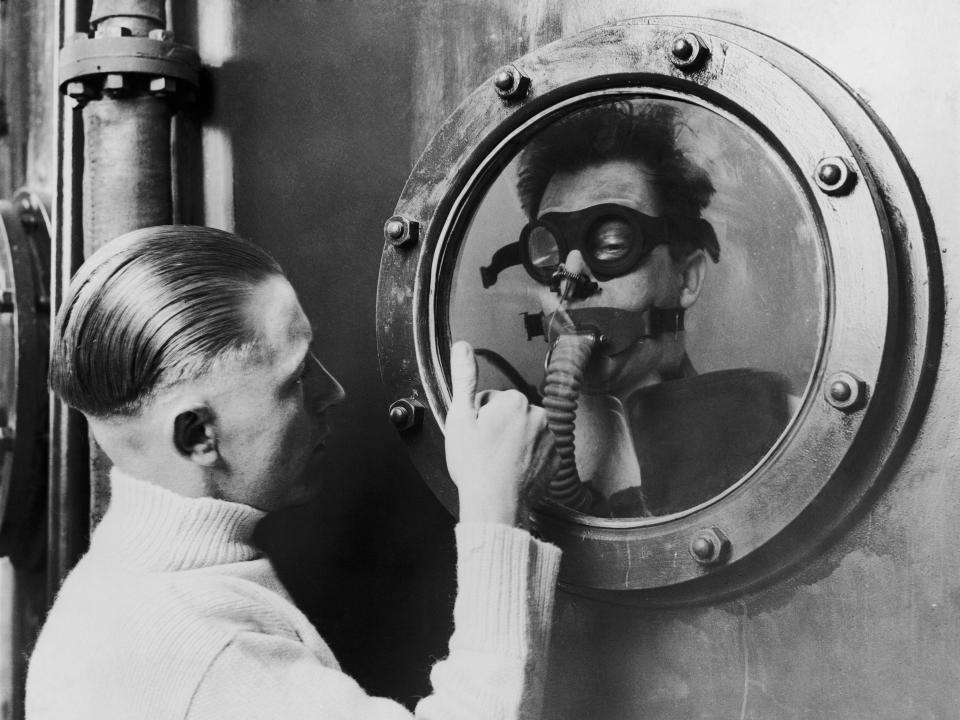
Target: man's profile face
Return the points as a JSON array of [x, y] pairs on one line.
[[655, 282], [271, 407]]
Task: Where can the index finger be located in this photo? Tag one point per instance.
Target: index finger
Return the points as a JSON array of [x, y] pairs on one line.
[[463, 378]]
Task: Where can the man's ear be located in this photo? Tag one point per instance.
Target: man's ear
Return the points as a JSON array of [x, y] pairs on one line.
[[693, 271], [195, 436]]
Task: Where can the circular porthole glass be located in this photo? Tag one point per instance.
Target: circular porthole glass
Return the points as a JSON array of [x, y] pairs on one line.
[[709, 293]]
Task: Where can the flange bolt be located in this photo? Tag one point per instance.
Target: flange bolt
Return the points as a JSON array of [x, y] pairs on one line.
[[682, 49], [845, 391], [510, 83], [688, 52], [835, 176], [709, 546], [406, 414], [399, 230]]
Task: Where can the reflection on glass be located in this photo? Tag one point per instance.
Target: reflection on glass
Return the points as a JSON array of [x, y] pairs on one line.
[[647, 270]]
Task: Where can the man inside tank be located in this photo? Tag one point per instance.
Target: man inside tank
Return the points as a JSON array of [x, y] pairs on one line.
[[620, 252]]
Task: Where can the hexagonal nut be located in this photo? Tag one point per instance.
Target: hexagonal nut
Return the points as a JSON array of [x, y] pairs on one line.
[[510, 83], [161, 35], [400, 230], [115, 83], [709, 546], [82, 90], [114, 31], [406, 414], [163, 85]]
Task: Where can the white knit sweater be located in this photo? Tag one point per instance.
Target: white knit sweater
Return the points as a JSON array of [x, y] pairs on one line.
[[172, 613]]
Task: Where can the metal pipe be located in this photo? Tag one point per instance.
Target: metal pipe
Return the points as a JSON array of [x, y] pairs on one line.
[[127, 79]]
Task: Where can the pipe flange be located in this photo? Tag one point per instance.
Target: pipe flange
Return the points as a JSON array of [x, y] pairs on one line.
[[85, 62]]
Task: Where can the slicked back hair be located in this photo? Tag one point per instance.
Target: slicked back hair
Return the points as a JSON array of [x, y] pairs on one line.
[[153, 307], [642, 130]]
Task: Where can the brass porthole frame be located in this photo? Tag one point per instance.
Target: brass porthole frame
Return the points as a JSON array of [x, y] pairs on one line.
[[882, 310]]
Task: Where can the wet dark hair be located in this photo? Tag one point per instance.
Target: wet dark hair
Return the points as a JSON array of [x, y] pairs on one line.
[[152, 307], [641, 130]]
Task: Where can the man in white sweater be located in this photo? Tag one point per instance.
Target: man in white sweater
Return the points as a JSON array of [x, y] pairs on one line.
[[189, 354]]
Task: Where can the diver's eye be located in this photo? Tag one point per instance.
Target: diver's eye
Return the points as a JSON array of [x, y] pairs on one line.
[[543, 248], [610, 239]]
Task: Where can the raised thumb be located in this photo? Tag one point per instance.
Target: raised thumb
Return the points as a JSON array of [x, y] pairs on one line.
[[463, 377]]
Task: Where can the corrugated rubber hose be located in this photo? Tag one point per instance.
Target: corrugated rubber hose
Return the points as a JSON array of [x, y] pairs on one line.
[[561, 391]]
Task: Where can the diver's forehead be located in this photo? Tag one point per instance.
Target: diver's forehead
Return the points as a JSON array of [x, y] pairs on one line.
[[625, 182]]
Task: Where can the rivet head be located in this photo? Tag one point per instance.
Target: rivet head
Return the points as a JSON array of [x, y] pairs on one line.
[[394, 229], [399, 415], [400, 230], [702, 548], [503, 81], [834, 176], [682, 48], [829, 173], [840, 391], [709, 546], [688, 52], [845, 391], [510, 83]]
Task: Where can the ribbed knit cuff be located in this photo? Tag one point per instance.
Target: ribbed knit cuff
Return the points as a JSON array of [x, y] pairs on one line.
[[507, 581]]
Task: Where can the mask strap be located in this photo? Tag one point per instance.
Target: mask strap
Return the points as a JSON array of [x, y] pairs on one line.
[[505, 257]]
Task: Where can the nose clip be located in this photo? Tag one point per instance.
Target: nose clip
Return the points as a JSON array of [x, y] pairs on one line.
[[578, 285]]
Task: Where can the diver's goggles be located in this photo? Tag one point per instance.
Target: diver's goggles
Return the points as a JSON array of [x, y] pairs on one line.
[[613, 239]]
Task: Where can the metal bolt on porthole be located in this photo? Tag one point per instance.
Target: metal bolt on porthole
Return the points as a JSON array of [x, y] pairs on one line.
[[406, 414], [6, 302], [688, 51], [709, 546], [835, 176], [399, 231], [510, 83], [7, 436], [845, 391]]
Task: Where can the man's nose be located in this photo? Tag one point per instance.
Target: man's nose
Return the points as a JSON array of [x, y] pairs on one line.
[[575, 264], [325, 390]]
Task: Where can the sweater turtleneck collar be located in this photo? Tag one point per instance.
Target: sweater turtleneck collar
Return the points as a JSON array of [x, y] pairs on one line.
[[154, 529]]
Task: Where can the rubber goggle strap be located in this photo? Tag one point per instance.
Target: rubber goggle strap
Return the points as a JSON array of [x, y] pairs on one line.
[[505, 257], [619, 329]]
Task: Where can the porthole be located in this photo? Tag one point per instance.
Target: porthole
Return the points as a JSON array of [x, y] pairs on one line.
[[725, 247]]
